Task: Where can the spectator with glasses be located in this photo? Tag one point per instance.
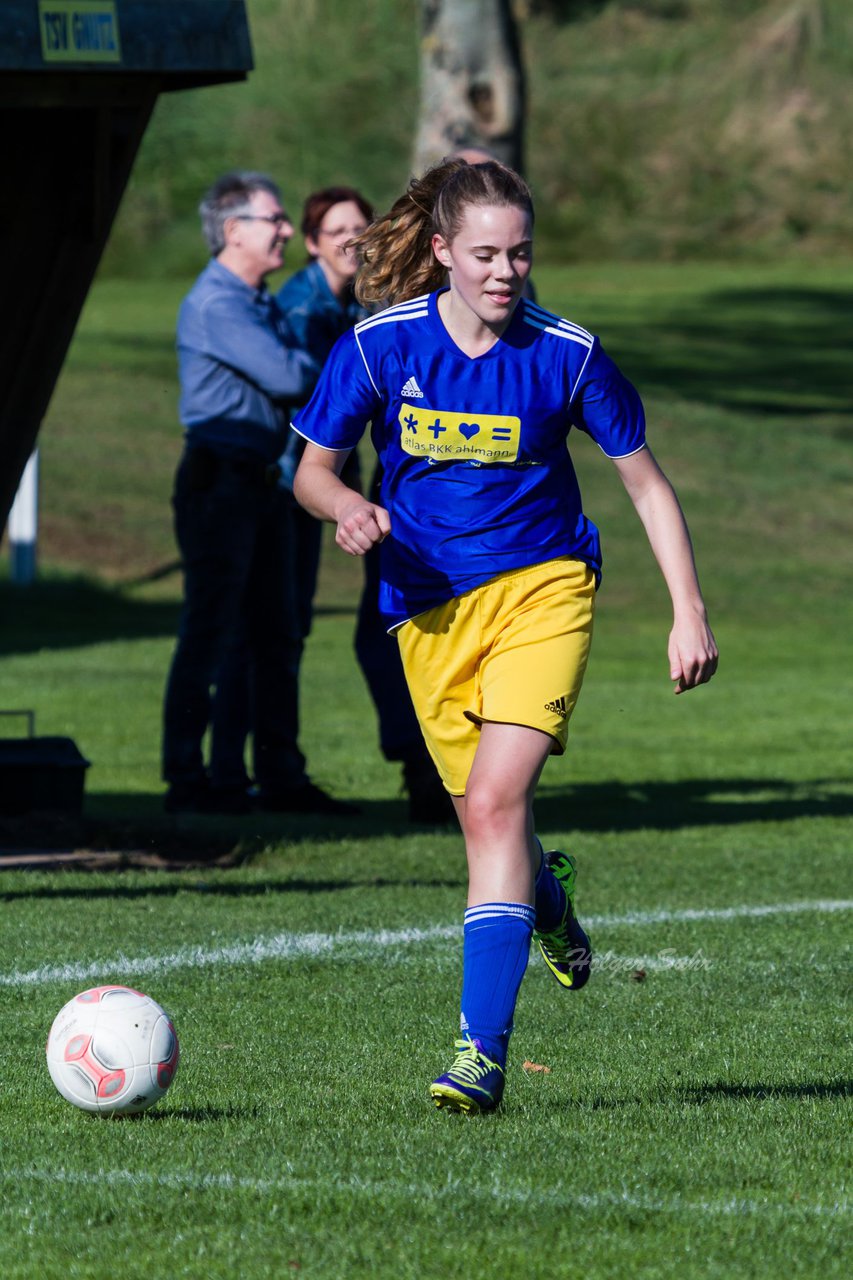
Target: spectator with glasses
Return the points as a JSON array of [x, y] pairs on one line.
[[239, 367], [318, 300]]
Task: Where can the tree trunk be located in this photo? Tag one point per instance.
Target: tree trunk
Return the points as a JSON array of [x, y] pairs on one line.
[[472, 82]]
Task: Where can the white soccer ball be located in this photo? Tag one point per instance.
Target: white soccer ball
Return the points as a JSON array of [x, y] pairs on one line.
[[112, 1050]]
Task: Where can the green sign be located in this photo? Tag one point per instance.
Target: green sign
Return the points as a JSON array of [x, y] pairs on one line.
[[79, 31]]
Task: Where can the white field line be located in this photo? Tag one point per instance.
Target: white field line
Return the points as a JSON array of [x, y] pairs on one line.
[[293, 946], [494, 1191], [689, 915]]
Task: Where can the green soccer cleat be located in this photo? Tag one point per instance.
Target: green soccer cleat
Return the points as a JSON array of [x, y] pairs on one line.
[[566, 949], [473, 1084]]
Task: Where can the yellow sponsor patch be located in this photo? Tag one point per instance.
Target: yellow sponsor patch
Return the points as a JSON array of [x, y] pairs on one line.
[[453, 437], [79, 31]]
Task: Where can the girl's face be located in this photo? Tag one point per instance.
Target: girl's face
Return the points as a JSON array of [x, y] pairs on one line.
[[341, 224], [488, 261]]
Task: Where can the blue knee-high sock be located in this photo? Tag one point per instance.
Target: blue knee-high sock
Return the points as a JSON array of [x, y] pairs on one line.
[[496, 949], [549, 897]]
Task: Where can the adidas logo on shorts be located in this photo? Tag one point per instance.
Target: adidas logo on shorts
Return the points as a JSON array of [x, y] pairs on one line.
[[558, 705], [412, 390]]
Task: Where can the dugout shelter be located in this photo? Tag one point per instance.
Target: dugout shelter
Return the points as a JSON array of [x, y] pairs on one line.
[[78, 83]]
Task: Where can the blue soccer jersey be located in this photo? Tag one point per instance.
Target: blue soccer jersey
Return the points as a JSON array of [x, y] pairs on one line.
[[477, 473]]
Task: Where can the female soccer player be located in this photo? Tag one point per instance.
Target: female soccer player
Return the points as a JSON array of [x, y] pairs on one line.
[[489, 564]]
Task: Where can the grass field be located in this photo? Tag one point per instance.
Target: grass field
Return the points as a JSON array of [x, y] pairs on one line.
[[694, 1119]]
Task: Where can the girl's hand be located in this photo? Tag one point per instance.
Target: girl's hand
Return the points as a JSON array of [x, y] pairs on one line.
[[361, 525], [318, 488], [693, 652]]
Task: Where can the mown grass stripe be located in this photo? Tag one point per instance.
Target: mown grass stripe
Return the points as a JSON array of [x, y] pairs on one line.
[[699, 915], [500, 1192], [292, 946]]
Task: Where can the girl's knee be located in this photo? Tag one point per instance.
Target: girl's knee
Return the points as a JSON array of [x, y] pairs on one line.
[[489, 810]]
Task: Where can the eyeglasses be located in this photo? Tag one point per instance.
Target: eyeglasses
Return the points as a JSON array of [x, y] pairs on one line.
[[275, 219]]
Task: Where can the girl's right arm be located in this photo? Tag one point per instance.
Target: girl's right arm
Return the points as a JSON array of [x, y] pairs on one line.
[[318, 488]]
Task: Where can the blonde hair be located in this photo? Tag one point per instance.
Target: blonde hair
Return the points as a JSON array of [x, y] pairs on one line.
[[396, 252]]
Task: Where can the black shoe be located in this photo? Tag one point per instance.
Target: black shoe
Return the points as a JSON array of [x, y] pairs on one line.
[[228, 800], [429, 803], [200, 797], [186, 797], [305, 799]]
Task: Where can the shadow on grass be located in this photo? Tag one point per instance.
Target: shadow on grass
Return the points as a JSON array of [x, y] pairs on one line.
[[701, 1094], [64, 613], [693, 802], [194, 1115], [119, 833], [231, 889], [131, 832], [779, 350]]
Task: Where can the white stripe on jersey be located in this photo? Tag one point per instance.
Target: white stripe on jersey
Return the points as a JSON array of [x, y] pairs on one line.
[[364, 362], [411, 310], [535, 308], [538, 318]]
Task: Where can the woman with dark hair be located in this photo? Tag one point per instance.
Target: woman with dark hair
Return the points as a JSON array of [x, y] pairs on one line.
[[489, 563], [320, 305], [318, 300]]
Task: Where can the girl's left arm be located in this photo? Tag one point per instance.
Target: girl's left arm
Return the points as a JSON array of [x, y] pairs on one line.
[[692, 648]]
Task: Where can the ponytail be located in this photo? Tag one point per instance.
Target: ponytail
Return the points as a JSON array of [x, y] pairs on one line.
[[396, 251]]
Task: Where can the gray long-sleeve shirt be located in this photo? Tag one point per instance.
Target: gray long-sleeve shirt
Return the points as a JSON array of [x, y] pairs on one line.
[[237, 366]]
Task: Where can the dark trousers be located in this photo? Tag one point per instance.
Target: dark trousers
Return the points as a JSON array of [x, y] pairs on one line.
[[378, 655], [237, 691], [236, 536]]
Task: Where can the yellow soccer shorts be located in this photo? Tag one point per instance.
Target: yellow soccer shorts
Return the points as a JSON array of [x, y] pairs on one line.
[[511, 651]]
